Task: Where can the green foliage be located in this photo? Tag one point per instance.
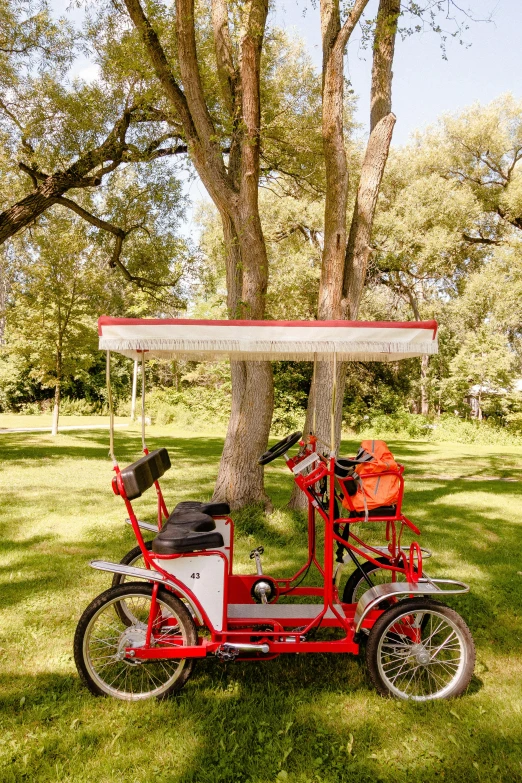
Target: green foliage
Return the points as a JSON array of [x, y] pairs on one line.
[[291, 386], [202, 394], [446, 239], [72, 407], [484, 360], [49, 323]]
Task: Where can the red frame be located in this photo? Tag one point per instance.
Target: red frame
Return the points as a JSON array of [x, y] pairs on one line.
[[237, 588], [104, 320]]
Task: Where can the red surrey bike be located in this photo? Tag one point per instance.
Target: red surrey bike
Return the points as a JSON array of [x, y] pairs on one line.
[[141, 638]]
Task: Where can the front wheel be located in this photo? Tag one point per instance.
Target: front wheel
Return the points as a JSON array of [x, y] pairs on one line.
[[102, 637], [420, 650]]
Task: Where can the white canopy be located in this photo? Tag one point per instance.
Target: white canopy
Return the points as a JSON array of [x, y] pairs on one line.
[[273, 340]]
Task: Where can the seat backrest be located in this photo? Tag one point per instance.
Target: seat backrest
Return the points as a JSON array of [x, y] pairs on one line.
[[142, 474]]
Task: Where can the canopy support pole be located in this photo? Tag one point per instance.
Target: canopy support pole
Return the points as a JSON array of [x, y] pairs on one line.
[[111, 410], [143, 444], [314, 391], [134, 390], [334, 400]]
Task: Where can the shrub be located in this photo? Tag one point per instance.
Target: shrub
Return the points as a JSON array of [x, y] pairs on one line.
[[70, 407], [448, 427], [30, 409], [205, 404]]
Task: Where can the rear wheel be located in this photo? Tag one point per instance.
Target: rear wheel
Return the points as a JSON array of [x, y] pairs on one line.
[[420, 650], [133, 558], [357, 584], [102, 637]]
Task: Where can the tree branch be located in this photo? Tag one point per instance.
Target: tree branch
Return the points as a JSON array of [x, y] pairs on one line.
[[190, 75], [350, 23], [515, 221], [251, 45], [163, 152], [25, 211], [480, 240], [227, 72], [161, 67], [33, 173], [102, 159], [90, 218], [383, 53], [120, 235], [206, 155]]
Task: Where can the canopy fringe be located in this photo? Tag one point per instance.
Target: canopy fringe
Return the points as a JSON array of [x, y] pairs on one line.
[[261, 350]]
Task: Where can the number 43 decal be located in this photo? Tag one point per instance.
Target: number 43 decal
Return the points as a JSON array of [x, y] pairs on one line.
[[195, 576]]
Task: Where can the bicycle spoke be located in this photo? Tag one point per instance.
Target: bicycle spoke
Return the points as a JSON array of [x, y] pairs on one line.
[[426, 665], [119, 674]]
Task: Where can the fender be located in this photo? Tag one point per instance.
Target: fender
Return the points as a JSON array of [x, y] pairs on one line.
[[144, 526], [372, 597], [150, 576]]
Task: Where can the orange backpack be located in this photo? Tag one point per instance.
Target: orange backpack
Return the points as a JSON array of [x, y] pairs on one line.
[[373, 489]]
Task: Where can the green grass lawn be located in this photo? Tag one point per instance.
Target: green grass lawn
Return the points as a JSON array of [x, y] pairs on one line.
[[20, 421], [295, 719]]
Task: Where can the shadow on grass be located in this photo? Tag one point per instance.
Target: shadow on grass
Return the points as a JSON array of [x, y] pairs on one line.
[[95, 444], [312, 717]]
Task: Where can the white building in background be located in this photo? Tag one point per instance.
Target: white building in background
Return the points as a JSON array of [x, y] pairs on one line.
[[478, 392]]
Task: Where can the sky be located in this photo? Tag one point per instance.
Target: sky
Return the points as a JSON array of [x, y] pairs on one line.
[[425, 85]]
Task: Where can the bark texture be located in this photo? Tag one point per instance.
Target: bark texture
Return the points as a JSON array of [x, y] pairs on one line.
[[358, 251], [240, 479], [334, 40], [329, 307], [425, 399], [409, 291]]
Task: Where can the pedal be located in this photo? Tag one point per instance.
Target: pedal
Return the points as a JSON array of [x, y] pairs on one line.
[[227, 652]]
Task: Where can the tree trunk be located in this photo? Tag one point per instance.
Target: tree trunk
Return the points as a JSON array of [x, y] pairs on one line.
[[382, 122], [134, 390], [57, 391], [359, 249], [56, 409], [240, 479], [233, 186]]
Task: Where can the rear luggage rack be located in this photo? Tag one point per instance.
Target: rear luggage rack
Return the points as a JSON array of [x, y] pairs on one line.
[[425, 586]]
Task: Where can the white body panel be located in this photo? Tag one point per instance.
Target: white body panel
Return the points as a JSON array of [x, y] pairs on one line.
[[203, 575], [226, 531]]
